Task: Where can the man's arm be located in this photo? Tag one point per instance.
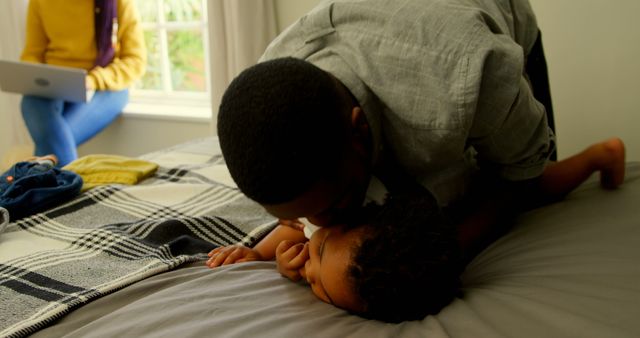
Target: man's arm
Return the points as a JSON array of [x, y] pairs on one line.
[[491, 213]]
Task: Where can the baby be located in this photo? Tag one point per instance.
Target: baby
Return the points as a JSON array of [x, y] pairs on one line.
[[392, 262], [401, 260]]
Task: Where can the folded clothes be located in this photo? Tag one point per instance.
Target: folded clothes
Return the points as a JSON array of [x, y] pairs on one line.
[[30, 187], [4, 219], [100, 169]]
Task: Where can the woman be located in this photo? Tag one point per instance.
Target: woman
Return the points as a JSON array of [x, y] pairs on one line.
[[102, 36]]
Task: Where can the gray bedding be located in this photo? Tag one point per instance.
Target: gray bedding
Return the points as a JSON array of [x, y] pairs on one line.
[[571, 269]]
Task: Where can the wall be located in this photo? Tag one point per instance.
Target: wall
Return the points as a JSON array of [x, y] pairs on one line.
[[288, 11], [593, 48], [12, 130], [137, 135]]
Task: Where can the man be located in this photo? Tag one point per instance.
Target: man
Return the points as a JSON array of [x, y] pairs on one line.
[[434, 89]]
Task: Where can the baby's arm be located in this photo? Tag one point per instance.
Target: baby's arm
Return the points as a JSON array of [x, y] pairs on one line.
[[263, 251]]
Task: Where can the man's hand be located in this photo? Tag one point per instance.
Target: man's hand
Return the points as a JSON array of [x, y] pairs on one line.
[[232, 254], [291, 257]]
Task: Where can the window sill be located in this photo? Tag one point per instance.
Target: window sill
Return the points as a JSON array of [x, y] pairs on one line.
[[200, 114]]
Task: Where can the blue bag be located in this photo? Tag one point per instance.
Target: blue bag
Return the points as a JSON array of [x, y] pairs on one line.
[[30, 187]]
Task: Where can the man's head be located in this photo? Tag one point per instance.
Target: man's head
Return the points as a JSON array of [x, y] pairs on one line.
[[289, 130], [401, 263]]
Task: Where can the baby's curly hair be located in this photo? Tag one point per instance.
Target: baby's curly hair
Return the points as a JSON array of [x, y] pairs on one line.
[[407, 264]]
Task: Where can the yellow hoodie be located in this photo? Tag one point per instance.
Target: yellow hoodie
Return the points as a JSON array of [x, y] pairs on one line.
[[61, 32]]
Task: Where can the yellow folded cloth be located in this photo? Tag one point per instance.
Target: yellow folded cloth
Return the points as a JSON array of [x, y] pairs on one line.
[[101, 169]]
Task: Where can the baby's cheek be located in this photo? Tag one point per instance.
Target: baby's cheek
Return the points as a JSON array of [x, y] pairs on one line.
[[319, 294]]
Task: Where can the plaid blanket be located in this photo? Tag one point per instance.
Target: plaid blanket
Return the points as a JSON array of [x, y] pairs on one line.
[[113, 236]]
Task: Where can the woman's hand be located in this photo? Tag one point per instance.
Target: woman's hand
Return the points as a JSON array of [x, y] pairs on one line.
[[291, 257], [89, 83], [232, 254]]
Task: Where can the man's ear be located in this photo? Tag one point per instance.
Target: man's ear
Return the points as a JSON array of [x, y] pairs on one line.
[[359, 122], [360, 130]]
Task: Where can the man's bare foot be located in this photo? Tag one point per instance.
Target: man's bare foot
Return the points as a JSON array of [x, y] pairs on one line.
[[612, 163]]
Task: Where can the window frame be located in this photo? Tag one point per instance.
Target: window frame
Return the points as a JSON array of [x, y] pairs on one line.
[[161, 101]]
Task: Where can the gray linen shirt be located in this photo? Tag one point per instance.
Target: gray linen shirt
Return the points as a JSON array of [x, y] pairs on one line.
[[441, 82], [4, 219]]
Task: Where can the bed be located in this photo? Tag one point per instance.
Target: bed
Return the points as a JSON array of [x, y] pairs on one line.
[[127, 261]]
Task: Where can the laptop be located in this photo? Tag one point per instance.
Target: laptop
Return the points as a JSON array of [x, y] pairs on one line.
[[37, 79]]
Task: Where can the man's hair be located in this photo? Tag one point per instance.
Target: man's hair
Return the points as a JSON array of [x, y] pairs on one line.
[[407, 264], [282, 128]]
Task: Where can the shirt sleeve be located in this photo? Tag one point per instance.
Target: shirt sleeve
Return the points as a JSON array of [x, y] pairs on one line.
[[36, 38], [509, 130], [130, 61]]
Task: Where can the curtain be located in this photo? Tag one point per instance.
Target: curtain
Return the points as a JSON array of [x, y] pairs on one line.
[[239, 32], [15, 142]]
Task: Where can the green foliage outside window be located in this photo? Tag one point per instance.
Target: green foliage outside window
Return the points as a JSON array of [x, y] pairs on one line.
[[186, 54]]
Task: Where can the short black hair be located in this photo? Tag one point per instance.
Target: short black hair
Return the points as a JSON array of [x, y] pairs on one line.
[[407, 265], [281, 126]]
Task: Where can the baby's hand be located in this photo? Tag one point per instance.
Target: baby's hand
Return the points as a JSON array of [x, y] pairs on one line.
[[231, 254], [291, 257]]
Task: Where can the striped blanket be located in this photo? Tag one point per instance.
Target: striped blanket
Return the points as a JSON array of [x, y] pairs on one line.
[[112, 236]]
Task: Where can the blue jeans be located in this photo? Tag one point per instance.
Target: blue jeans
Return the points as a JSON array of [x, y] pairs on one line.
[[58, 127]]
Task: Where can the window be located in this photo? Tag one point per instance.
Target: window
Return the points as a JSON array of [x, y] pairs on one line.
[[177, 77]]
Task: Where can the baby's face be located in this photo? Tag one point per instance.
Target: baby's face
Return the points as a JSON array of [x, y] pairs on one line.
[[330, 251]]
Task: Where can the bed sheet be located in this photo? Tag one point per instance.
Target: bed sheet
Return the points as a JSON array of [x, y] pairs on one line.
[[112, 236], [571, 269]]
